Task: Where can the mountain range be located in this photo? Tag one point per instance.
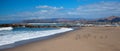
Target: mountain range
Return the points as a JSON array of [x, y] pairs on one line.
[[109, 19], [51, 20]]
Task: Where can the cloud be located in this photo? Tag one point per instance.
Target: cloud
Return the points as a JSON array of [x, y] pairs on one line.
[[41, 12], [98, 9], [95, 10], [100, 6], [49, 7], [44, 11]]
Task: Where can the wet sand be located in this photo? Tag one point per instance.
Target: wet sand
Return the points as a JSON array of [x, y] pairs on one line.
[[85, 39]]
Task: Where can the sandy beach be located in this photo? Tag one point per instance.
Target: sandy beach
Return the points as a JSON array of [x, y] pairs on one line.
[[84, 39]]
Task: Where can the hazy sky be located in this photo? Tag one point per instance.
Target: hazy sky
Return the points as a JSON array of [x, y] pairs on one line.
[[35, 9]]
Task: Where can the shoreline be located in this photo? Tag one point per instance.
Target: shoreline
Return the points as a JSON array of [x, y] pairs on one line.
[[84, 39], [24, 42]]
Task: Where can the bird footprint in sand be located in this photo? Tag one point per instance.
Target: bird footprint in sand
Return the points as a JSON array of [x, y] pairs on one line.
[[77, 37]]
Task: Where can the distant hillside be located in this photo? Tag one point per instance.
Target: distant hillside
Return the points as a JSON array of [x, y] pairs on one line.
[[52, 20], [109, 19]]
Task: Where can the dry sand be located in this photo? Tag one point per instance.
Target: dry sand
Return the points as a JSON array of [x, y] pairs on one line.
[[85, 39]]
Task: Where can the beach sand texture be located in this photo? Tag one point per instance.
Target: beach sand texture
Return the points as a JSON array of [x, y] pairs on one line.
[[84, 39]]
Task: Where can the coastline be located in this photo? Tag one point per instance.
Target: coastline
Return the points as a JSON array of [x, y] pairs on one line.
[[23, 42], [85, 39]]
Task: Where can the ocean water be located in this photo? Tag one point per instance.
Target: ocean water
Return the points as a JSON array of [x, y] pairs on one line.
[[45, 24], [13, 35]]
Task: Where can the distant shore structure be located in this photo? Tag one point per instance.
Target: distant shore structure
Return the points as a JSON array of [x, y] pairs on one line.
[[39, 25]]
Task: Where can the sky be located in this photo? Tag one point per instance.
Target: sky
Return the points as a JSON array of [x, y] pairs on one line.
[[38, 9]]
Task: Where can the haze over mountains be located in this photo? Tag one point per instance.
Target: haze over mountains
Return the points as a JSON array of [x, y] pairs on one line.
[[51, 20], [57, 20]]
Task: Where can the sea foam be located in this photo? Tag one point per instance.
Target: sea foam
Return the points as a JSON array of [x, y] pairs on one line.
[[24, 35], [6, 28]]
